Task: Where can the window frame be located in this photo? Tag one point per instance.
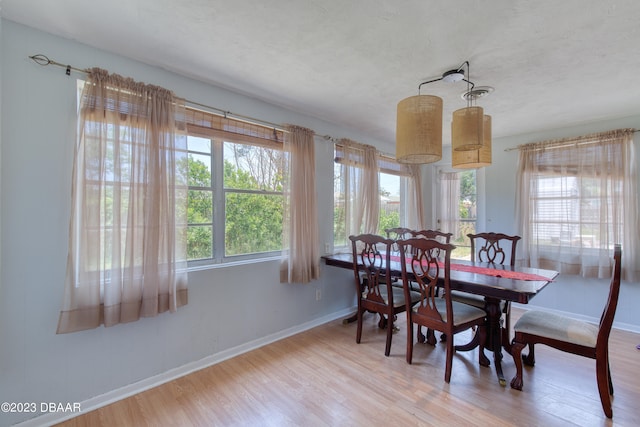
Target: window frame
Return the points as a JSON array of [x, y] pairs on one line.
[[386, 165], [219, 130], [564, 197], [480, 203]]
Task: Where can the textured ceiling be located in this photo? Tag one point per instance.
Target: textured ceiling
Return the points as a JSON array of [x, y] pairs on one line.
[[552, 63]]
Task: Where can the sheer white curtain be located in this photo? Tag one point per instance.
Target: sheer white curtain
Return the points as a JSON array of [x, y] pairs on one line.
[[449, 202], [301, 254], [127, 233], [362, 188], [415, 210], [577, 198]]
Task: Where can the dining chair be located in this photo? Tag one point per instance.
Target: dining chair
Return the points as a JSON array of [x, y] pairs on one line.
[[572, 336], [371, 268], [442, 237], [397, 233], [493, 248], [425, 259]]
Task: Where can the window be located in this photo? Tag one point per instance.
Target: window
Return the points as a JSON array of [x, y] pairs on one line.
[[390, 202], [577, 199], [127, 253], [235, 205], [458, 208], [393, 179]]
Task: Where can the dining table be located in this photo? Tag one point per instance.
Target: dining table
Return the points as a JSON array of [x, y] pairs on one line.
[[495, 282]]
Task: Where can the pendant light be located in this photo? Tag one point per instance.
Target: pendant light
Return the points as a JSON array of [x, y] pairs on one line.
[[419, 126], [419, 129], [473, 159], [467, 132]]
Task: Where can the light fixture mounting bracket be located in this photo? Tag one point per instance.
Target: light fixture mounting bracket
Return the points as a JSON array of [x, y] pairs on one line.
[[453, 76]]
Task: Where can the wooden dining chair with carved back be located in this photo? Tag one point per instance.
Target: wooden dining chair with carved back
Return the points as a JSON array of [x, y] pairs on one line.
[[493, 248], [397, 233], [442, 237], [421, 261], [572, 336], [438, 235], [371, 268]]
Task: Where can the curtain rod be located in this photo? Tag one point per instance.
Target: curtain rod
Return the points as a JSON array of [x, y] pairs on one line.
[[43, 60], [558, 144]]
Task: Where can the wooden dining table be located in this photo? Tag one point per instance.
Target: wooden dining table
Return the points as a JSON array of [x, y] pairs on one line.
[[495, 282]]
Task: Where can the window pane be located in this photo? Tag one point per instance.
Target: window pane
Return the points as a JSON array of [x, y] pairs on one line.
[[235, 204], [200, 199], [339, 219], [199, 242], [200, 207], [253, 223], [201, 145], [569, 210], [389, 202], [467, 214], [252, 168], [199, 170]]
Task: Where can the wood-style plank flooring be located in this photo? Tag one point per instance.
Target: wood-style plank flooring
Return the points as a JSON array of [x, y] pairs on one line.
[[323, 378]]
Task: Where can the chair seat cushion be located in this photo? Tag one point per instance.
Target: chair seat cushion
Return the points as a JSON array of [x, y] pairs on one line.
[[462, 313], [467, 298], [471, 299], [398, 296], [558, 327]]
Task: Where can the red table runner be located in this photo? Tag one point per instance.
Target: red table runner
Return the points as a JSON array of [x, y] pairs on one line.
[[507, 274], [496, 272]]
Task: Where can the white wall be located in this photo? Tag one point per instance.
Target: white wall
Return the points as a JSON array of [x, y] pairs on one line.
[[230, 309]]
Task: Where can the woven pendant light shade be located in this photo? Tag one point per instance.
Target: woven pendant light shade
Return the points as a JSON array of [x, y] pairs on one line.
[[473, 159], [466, 129], [419, 129]]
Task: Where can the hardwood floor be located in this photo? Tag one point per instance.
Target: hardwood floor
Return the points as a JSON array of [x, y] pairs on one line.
[[323, 378]]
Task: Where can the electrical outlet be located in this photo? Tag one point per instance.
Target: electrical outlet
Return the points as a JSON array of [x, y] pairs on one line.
[[318, 294], [327, 248]]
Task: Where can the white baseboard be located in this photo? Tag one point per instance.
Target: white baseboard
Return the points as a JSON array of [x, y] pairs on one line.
[[129, 390]]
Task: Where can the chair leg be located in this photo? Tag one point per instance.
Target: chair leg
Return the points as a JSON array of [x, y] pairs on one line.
[[602, 376], [516, 352], [409, 354], [447, 369], [359, 328], [506, 329], [482, 339], [382, 323], [387, 349], [431, 337], [419, 335], [609, 375], [530, 358]]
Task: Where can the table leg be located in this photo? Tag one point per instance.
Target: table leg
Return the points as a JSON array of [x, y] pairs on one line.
[[350, 319], [494, 335]]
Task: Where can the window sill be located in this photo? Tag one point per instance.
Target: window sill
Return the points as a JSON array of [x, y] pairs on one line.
[[213, 266]]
